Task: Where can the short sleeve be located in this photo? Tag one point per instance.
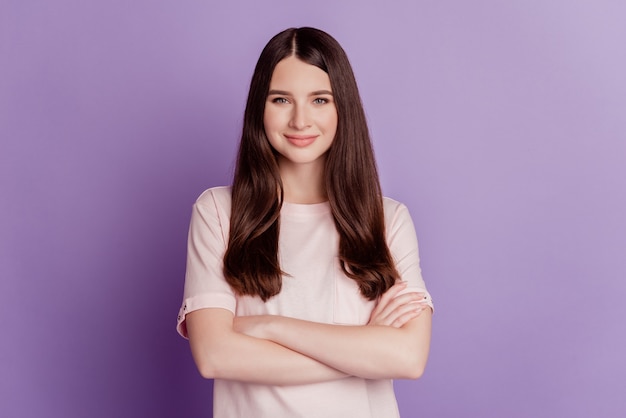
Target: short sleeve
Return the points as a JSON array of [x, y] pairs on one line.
[[402, 243], [205, 285]]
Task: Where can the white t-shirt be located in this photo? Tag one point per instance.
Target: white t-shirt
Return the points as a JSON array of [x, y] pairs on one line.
[[316, 289]]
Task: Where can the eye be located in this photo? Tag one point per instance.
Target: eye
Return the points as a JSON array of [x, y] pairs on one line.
[[280, 100], [320, 100]]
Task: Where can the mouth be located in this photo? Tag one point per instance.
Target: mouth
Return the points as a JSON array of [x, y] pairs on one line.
[[301, 140]]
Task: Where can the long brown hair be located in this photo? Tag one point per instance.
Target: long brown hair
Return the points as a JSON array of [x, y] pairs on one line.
[[251, 265]]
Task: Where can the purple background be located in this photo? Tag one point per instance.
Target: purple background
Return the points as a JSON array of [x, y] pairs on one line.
[[502, 125]]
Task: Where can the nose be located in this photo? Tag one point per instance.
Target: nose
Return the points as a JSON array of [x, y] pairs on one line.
[[300, 118]]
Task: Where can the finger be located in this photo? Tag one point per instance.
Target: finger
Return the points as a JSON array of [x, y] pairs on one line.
[[403, 319], [388, 296], [399, 301], [393, 291], [396, 308], [406, 315], [392, 315]]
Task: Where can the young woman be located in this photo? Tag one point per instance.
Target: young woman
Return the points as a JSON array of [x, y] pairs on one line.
[[303, 293]]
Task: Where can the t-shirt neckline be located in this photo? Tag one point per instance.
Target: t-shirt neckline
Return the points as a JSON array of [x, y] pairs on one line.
[[305, 208]]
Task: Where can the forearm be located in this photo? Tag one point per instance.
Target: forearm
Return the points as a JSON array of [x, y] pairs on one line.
[[371, 352], [222, 353], [255, 360]]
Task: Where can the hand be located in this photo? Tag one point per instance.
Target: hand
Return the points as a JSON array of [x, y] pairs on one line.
[[395, 311]]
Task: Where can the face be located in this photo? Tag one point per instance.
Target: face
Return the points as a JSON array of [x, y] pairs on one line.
[[300, 116]]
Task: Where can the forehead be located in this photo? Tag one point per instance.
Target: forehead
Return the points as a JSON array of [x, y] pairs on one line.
[[294, 74]]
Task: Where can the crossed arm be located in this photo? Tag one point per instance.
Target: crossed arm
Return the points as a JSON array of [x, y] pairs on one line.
[[278, 350]]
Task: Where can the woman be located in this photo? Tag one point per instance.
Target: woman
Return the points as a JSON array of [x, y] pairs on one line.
[[303, 293]]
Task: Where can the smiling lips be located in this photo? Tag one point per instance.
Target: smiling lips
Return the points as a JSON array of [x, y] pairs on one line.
[[301, 140]]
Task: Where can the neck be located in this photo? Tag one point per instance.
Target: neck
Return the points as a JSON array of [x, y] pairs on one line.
[[303, 183]]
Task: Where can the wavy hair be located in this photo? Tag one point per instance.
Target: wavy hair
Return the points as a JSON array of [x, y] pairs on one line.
[[251, 265]]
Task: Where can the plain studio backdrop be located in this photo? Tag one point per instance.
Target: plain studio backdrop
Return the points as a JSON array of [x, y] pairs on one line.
[[501, 125]]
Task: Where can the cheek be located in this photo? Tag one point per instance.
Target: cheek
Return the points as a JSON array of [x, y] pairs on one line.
[[271, 120], [266, 120], [331, 123], [269, 127]]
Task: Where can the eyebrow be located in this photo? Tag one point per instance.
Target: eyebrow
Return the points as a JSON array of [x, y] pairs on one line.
[[286, 93]]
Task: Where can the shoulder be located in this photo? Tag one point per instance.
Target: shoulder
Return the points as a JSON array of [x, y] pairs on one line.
[[390, 204], [397, 216], [218, 197], [393, 209], [212, 208]]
